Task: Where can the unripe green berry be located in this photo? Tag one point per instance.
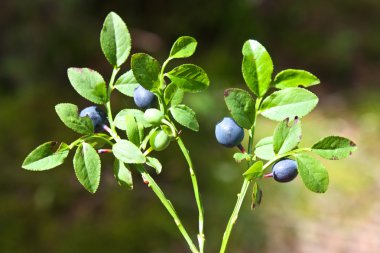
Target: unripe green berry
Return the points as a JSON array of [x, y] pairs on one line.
[[153, 116], [159, 140]]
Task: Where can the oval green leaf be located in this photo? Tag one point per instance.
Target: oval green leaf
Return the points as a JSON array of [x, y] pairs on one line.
[[189, 77], [185, 116], [173, 94], [154, 163], [183, 47], [257, 67], [313, 173], [128, 152], [87, 167], [254, 172], [89, 84], [127, 83], [288, 103], [123, 174], [146, 70], [264, 149], [68, 113], [241, 106], [287, 136], [132, 129], [334, 147], [46, 156], [115, 40], [293, 78]]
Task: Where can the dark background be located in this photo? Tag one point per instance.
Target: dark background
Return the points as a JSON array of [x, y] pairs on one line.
[[339, 41]]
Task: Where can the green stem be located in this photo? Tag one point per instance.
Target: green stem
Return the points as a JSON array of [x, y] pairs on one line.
[[162, 72], [169, 207], [74, 143], [108, 104], [244, 188], [234, 215], [185, 152], [147, 152]]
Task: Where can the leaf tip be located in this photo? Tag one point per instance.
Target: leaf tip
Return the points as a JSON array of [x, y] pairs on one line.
[[227, 92]]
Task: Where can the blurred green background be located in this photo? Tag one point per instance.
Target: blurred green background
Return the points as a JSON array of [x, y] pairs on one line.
[[339, 41]]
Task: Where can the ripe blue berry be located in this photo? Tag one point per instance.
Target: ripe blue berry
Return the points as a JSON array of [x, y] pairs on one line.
[[97, 116], [228, 132], [285, 170], [143, 98]]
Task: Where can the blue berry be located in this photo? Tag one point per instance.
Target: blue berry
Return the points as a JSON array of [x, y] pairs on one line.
[[143, 98], [97, 116], [228, 132], [285, 170]]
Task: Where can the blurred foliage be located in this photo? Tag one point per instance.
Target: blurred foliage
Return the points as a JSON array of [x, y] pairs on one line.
[[50, 212]]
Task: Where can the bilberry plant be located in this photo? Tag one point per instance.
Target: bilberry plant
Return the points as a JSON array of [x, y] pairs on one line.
[[133, 134]]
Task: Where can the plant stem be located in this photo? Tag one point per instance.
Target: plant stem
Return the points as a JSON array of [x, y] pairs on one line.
[[194, 181], [162, 72], [108, 104], [244, 188], [234, 215], [169, 207]]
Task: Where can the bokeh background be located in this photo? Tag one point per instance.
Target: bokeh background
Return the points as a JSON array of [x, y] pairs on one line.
[[337, 40]]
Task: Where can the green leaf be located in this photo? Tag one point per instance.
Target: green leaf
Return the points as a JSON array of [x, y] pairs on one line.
[[127, 83], [185, 116], [264, 149], [46, 157], [189, 77], [241, 105], [288, 103], [146, 70], [141, 129], [132, 129], [183, 47], [87, 167], [128, 152], [123, 174], [314, 175], [293, 78], [89, 84], [255, 171], [242, 156], [334, 147], [177, 98], [173, 94], [154, 163], [257, 67], [287, 136], [257, 195], [115, 40], [120, 120], [68, 113]]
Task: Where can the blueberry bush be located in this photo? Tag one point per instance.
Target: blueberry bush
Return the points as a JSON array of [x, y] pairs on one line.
[[133, 134]]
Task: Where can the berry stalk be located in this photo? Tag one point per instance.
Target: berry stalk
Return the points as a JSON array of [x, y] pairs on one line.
[[108, 104]]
